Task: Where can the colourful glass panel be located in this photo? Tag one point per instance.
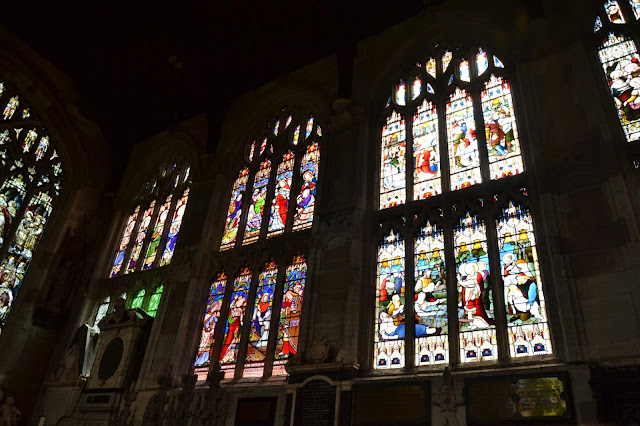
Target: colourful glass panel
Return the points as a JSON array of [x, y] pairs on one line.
[[138, 299], [211, 318], [635, 5], [154, 244], [24, 243], [286, 125], [389, 326], [11, 107], [263, 145], [12, 194], [234, 212], [621, 65], [2, 88], [42, 147], [482, 62], [464, 162], [102, 310], [174, 228], [446, 60], [393, 164], [416, 89], [29, 139], [290, 312], [234, 324], [430, 89], [401, 93], [503, 145], [258, 200], [124, 242], [520, 271], [465, 71], [252, 150], [261, 321], [154, 301], [276, 128], [475, 311], [431, 67], [140, 236], [5, 137], [309, 128], [430, 306], [319, 130], [497, 62], [296, 135], [426, 152], [306, 200], [597, 26], [613, 12], [280, 203]]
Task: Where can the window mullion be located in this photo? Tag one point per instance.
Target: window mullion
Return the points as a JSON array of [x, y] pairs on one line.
[[480, 130], [409, 280], [452, 295], [149, 234], [246, 325], [165, 230], [497, 288], [275, 317], [410, 167]]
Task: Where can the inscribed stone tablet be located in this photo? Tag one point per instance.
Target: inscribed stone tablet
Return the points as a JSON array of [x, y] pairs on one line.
[[315, 404]]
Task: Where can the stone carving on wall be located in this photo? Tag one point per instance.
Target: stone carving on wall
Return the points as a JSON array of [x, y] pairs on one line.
[[9, 413], [447, 400], [154, 413], [319, 350], [125, 416], [347, 358]]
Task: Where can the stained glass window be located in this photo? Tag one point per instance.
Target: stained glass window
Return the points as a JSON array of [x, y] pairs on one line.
[[401, 93], [306, 200], [234, 324], [635, 5], [450, 233], [258, 200], [154, 300], [261, 321], [309, 128], [147, 232], [211, 318], [101, 312], [290, 313], [235, 210], [416, 89], [393, 165], [280, 204], [138, 299], [613, 11]]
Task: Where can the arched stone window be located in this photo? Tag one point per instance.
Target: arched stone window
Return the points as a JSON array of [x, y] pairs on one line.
[[458, 275], [31, 182], [252, 319]]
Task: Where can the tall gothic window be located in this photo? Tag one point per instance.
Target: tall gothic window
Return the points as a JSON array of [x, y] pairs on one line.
[[458, 275], [149, 235], [272, 202], [32, 178]]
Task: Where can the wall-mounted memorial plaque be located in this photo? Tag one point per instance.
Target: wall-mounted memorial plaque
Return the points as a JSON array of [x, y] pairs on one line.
[[256, 411], [392, 403], [519, 399], [315, 404]]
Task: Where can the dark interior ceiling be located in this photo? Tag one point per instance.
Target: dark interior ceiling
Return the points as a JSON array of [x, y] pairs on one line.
[[141, 66]]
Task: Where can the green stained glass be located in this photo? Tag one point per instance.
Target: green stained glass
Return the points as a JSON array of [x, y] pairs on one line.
[[138, 299], [154, 301]]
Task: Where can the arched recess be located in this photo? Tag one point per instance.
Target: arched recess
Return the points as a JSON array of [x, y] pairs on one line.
[[56, 281]]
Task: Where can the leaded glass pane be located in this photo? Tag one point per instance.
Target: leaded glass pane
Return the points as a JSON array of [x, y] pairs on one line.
[[211, 318], [258, 200], [280, 203], [142, 233], [137, 300], [234, 212], [154, 244], [174, 228], [426, 152], [233, 326], [464, 161], [154, 301], [393, 165], [306, 200], [124, 242]]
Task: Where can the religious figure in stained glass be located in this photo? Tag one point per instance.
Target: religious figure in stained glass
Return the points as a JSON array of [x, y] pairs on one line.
[[235, 210], [235, 319], [426, 152], [124, 242], [306, 200], [174, 229], [258, 200], [211, 318], [464, 161], [142, 233], [393, 164], [156, 236], [390, 304], [280, 204]]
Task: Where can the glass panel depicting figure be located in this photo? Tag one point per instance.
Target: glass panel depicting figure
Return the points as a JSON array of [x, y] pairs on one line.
[[465, 71], [280, 203], [613, 12], [621, 65], [393, 164], [296, 135], [154, 244], [309, 128], [635, 5], [401, 93], [234, 324], [42, 148], [154, 301], [174, 229], [416, 88], [475, 306], [20, 253], [211, 318], [290, 314], [464, 161], [29, 139], [426, 152], [390, 301], [520, 271], [142, 233], [12, 194], [306, 200], [124, 243], [137, 300], [432, 329], [431, 67], [260, 322], [446, 60], [102, 310], [11, 107], [234, 212], [503, 144], [258, 200], [482, 62]]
